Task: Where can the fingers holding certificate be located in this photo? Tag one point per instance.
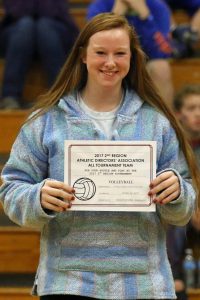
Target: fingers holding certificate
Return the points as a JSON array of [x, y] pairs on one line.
[[111, 175]]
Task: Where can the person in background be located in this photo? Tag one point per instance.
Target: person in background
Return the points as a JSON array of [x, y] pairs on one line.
[[30, 29], [178, 240], [151, 20], [186, 35], [103, 92], [187, 109]]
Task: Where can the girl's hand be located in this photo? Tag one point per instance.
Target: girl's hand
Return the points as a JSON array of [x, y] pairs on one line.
[[165, 188], [56, 196]]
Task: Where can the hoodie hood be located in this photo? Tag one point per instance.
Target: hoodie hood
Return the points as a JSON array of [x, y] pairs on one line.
[[131, 104]]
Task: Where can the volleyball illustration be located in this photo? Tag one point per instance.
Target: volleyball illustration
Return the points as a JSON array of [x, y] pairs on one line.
[[85, 189]]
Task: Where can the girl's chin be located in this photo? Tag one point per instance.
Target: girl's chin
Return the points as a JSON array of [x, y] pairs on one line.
[[110, 82], [110, 85]]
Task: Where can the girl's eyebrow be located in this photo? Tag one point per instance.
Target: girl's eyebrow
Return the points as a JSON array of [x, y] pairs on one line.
[[104, 48]]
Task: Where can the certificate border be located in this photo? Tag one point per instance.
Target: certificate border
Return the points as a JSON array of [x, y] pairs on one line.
[[111, 205]]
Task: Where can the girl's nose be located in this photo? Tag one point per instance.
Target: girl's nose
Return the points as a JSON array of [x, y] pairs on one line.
[[110, 61]]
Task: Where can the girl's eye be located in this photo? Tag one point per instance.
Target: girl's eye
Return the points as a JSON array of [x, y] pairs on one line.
[[121, 53], [100, 52]]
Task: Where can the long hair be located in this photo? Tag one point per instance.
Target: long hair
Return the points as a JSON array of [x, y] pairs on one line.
[[73, 76]]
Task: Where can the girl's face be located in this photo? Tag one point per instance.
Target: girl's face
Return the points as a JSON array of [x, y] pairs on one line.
[[107, 58]]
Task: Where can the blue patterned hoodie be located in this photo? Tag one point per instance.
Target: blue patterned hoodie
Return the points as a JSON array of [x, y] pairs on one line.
[[104, 255]]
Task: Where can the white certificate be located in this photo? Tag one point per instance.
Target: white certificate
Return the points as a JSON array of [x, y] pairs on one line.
[[110, 175]]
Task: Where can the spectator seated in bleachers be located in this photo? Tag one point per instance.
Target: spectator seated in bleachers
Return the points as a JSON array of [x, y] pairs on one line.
[[186, 35], [33, 29], [151, 20], [187, 108]]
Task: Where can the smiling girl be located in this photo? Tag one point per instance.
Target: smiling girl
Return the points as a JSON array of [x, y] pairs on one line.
[[102, 93]]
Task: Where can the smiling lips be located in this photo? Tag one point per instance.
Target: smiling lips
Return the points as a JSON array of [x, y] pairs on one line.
[[109, 73]]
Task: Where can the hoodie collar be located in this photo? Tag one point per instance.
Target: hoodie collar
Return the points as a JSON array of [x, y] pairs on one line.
[[131, 104]]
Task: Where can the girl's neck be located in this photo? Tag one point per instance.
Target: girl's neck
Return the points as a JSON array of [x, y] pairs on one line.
[[102, 99]]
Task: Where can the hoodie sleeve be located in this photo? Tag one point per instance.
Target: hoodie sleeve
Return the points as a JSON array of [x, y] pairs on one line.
[[24, 175], [179, 211]]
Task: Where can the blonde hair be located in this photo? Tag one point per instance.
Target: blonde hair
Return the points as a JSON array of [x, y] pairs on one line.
[[73, 76]]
